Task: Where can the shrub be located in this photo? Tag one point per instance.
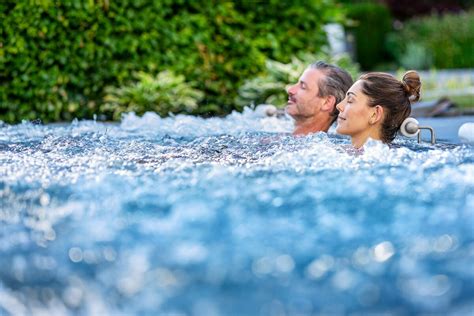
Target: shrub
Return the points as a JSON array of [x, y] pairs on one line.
[[416, 56], [270, 88], [447, 41], [57, 57], [165, 93]]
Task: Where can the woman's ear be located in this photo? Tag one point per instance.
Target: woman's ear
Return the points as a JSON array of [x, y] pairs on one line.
[[377, 114]]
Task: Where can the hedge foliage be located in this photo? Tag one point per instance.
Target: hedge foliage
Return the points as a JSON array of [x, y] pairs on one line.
[[57, 57], [436, 41], [163, 94], [370, 24]]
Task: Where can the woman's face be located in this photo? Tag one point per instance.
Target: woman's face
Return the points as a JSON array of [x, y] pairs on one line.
[[355, 113]]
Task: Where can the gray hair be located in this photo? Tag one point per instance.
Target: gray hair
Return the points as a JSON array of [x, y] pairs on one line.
[[336, 82]]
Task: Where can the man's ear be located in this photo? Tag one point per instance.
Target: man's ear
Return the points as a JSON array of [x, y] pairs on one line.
[[329, 103], [377, 114]]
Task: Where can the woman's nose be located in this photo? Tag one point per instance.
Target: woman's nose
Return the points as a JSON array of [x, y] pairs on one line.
[[340, 106]]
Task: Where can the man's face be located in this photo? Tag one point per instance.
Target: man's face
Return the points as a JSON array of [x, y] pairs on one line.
[[303, 100]]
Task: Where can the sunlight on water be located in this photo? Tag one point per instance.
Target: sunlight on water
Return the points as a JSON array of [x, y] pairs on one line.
[[230, 216]]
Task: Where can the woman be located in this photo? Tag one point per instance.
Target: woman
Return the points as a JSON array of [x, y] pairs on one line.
[[376, 105]]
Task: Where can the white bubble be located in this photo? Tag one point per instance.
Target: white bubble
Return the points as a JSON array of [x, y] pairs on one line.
[[19, 267], [109, 254], [425, 286], [421, 246], [50, 234], [165, 277], [284, 263], [262, 266], [89, 257], [319, 267], [343, 280], [44, 199], [75, 254], [190, 252], [12, 303], [383, 251], [441, 285], [130, 285], [361, 256], [443, 244], [277, 202], [73, 296], [44, 262]]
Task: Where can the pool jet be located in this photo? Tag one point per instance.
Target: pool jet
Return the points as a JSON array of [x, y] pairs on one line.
[[411, 128]]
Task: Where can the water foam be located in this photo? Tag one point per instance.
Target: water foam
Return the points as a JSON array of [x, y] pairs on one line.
[[169, 214]]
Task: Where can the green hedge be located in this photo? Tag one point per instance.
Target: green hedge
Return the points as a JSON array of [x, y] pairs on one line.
[[370, 24], [437, 41], [163, 94], [57, 57]]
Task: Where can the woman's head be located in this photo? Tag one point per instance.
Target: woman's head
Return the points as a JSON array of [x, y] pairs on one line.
[[376, 105]]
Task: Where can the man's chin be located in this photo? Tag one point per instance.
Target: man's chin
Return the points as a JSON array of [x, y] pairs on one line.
[[289, 110]]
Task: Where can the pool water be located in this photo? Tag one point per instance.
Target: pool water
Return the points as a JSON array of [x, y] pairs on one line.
[[230, 216]]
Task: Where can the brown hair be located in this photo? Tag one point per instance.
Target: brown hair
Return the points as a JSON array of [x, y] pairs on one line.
[[336, 82], [394, 96]]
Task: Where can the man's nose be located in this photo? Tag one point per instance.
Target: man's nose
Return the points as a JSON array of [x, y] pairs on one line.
[[291, 89]]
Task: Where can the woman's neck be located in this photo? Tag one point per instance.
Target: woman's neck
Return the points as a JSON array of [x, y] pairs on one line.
[[360, 139]]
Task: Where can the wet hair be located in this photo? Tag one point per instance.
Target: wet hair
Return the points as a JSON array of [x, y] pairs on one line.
[[394, 96], [336, 82]]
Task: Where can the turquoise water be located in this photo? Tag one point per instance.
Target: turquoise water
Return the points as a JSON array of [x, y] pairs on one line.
[[230, 216]]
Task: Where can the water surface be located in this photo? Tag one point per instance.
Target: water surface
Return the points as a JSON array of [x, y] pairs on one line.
[[230, 216]]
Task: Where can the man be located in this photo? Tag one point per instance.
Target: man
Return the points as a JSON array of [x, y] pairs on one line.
[[312, 100]]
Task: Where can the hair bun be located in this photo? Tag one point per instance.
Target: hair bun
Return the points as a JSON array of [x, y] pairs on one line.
[[412, 85]]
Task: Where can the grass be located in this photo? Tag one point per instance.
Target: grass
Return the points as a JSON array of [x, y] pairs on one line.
[[463, 101]]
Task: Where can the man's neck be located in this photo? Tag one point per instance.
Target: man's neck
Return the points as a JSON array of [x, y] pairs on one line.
[[313, 124]]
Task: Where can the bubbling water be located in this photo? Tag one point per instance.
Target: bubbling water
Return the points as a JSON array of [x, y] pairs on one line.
[[231, 215]]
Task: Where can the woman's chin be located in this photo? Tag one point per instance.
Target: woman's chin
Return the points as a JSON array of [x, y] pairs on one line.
[[341, 131]]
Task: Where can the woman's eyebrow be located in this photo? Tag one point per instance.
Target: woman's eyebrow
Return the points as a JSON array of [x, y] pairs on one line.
[[350, 93]]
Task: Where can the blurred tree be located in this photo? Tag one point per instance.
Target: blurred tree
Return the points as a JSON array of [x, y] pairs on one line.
[[445, 41], [370, 23]]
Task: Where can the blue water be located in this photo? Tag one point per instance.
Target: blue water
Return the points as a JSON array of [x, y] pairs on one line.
[[230, 216]]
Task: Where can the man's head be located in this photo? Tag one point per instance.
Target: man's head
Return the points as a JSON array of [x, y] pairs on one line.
[[312, 100]]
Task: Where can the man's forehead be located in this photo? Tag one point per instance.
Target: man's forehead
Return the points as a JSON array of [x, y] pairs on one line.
[[311, 76]]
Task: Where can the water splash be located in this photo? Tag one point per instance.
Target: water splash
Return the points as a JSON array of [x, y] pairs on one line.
[[190, 215]]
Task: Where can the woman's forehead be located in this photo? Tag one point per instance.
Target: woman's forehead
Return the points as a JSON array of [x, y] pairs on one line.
[[355, 88]]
